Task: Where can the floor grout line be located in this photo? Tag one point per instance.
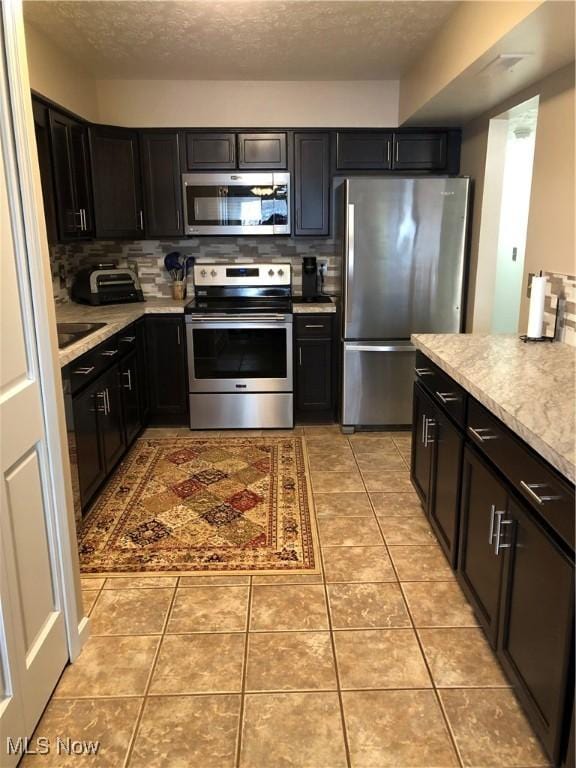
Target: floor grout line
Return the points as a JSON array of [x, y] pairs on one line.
[[244, 674], [129, 751]]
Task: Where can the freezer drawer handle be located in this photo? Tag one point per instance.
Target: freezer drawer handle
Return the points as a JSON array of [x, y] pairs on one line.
[[424, 372], [448, 397], [404, 348]]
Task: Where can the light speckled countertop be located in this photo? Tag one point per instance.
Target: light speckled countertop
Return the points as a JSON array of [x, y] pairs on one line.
[[309, 308], [118, 316], [530, 387]]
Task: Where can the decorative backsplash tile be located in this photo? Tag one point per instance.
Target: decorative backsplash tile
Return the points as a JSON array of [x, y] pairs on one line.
[[148, 257], [561, 293]]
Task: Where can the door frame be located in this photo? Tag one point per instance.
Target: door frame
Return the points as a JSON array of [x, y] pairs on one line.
[[17, 127]]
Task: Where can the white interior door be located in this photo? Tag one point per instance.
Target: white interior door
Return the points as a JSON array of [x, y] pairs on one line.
[[33, 639]]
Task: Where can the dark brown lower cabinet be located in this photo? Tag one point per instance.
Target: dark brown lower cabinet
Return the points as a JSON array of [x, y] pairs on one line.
[[536, 623], [167, 374], [421, 466], [314, 369], [129, 373], [443, 509], [87, 407], [483, 504]]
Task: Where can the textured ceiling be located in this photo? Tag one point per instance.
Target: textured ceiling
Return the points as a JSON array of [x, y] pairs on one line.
[[240, 39]]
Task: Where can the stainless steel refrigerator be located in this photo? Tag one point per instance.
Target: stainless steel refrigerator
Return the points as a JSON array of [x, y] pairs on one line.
[[403, 272]]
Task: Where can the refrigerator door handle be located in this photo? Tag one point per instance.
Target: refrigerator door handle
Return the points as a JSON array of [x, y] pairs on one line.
[[349, 255], [380, 348]]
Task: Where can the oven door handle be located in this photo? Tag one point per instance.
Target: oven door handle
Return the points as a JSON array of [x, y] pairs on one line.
[[216, 317]]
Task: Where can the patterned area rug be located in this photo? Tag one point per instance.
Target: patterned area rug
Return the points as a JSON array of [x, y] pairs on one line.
[[195, 505]]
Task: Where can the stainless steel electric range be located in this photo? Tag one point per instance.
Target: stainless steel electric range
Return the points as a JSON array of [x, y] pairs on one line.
[[239, 337]]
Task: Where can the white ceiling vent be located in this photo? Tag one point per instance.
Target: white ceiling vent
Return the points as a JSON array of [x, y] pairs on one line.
[[504, 62]]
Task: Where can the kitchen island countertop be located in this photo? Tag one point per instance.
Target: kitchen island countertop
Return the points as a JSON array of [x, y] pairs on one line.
[[530, 387]]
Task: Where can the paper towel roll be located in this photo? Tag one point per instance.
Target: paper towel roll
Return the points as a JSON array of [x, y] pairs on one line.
[[536, 313]]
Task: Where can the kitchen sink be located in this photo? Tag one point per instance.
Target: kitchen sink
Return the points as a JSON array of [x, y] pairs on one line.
[[68, 333]]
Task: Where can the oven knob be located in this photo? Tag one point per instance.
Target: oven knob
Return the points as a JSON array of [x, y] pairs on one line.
[[203, 273], [271, 272], [213, 273], [280, 272]]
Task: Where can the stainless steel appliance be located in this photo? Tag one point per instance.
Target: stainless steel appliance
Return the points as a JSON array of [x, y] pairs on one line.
[[105, 284], [403, 250], [239, 338], [250, 203]]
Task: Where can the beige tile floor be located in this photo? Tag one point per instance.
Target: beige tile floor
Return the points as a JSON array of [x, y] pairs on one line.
[[376, 662]]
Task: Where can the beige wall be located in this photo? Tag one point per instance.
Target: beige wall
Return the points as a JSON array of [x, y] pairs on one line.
[[265, 104], [59, 78], [550, 240], [472, 29]]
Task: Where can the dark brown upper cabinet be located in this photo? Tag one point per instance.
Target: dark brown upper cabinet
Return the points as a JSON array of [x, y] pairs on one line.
[[420, 151], [118, 205], [210, 151], [363, 150], [161, 177], [312, 183], [71, 169], [42, 131], [262, 151]]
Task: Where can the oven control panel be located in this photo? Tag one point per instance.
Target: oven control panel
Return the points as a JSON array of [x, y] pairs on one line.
[[260, 274]]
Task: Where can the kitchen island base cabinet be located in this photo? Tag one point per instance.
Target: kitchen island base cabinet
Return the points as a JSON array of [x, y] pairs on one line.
[[167, 372], [479, 568], [536, 623]]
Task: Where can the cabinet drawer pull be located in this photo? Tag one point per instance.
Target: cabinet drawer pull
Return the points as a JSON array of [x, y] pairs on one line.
[[448, 397], [128, 339], [314, 325], [109, 353], [529, 488], [424, 372], [83, 371], [480, 434], [129, 385]]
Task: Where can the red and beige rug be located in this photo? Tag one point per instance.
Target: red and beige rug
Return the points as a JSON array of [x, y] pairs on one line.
[[202, 506]]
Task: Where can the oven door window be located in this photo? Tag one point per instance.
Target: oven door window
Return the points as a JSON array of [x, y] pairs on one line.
[[240, 353], [237, 205]]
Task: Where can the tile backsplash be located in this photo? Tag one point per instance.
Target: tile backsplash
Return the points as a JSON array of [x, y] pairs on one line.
[[148, 256], [561, 293]]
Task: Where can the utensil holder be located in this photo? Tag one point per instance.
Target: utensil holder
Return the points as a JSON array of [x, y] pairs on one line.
[[179, 289]]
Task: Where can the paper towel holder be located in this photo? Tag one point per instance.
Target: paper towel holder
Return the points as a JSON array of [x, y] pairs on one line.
[[526, 338]]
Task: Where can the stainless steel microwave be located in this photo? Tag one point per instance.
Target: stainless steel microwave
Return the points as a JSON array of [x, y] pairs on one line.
[[251, 203]]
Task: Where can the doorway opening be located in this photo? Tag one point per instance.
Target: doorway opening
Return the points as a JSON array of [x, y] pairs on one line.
[[505, 209]]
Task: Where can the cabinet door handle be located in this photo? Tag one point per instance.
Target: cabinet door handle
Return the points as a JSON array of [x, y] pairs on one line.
[[83, 371], [388, 151], [397, 151], [83, 214], [109, 353], [427, 439], [178, 219], [312, 325], [141, 219], [299, 355], [498, 534], [178, 332], [129, 385], [491, 531], [480, 434], [78, 213], [107, 400], [424, 372], [102, 409], [448, 397], [529, 488]]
